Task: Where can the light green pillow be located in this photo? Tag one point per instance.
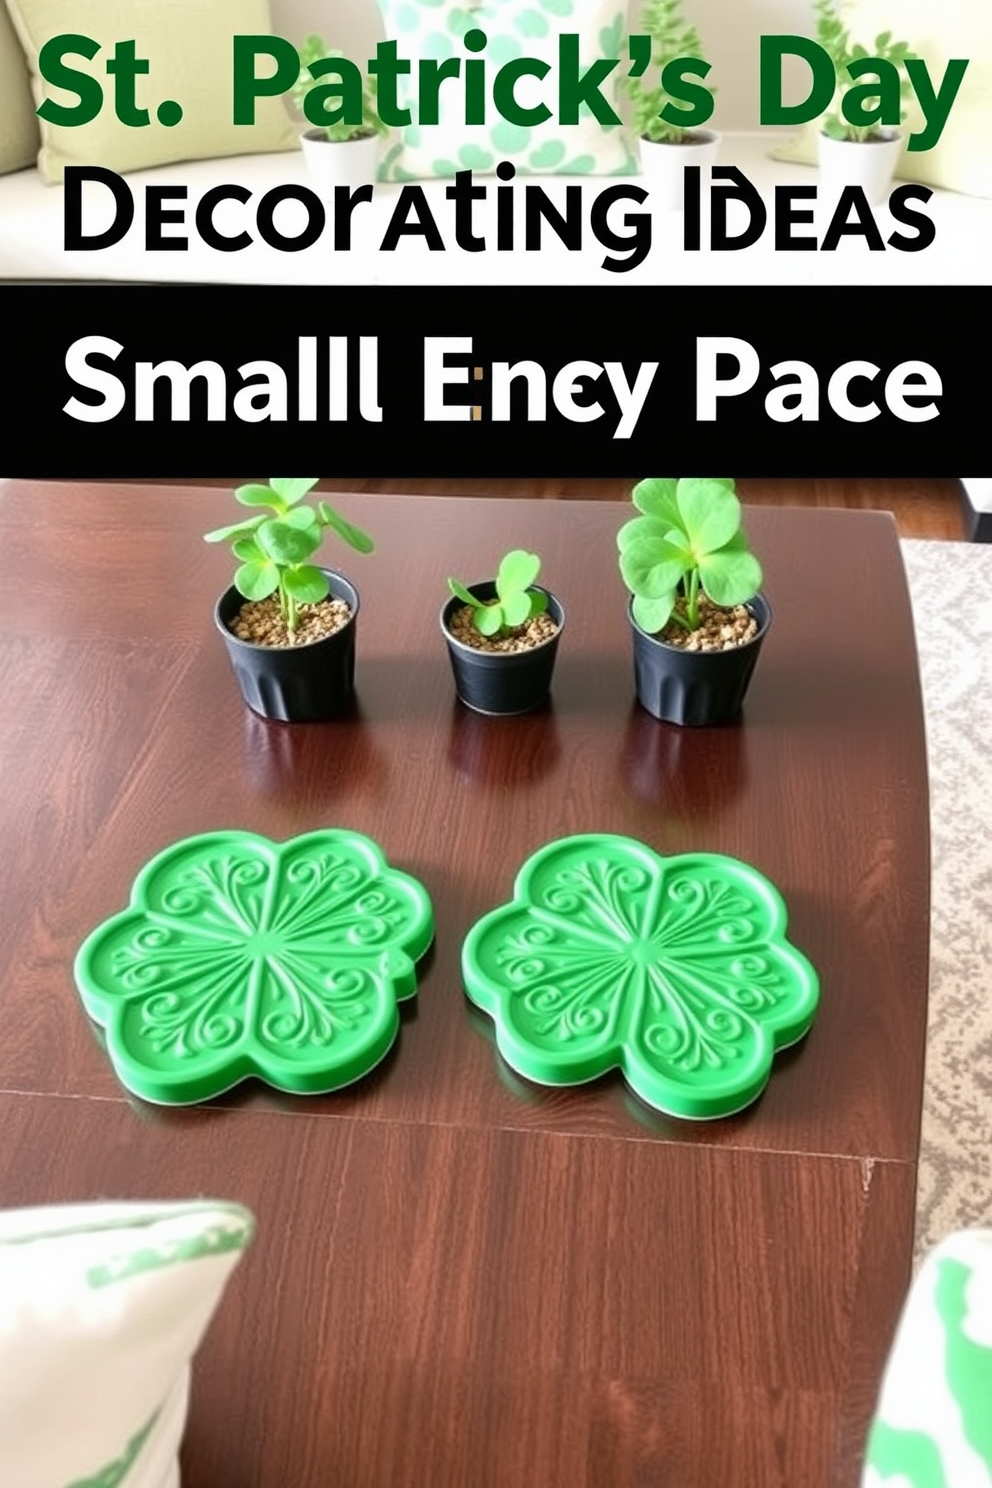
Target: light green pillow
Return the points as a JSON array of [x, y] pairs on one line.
[[962, 158], [102, 1307], [514, 28], [188, 44], [18, 126]]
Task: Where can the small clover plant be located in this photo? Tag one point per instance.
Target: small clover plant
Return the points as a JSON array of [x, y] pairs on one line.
[[688, 540], [833, 36], [656, 114], [274, 548], [311, 53], [515, 603]]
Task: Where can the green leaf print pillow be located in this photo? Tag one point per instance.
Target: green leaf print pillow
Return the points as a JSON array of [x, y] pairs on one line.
[[933, 1423], [102, 1307], [435, 29]]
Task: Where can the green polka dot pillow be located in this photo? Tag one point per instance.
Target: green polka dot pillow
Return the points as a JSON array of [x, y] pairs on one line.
[[435, 29]]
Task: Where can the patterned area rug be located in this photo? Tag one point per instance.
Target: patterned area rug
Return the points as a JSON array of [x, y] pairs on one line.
[[951, 589]]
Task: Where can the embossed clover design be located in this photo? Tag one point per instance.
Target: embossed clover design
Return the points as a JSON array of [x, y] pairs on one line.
[[675, 971], [240, 956]]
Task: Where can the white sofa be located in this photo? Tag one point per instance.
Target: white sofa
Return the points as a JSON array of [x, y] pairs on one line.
[[32, 214]]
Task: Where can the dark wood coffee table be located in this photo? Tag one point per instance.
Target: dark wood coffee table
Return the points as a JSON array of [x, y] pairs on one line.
[[461, 1280]]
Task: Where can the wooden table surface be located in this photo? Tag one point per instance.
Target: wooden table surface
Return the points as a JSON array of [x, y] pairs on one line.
[[461, 1280]]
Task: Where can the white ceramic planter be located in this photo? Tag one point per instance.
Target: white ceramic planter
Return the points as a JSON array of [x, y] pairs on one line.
[[870, 164], [333, 163], [663, 165]]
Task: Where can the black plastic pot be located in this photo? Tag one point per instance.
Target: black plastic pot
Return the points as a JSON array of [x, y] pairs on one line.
[[695, 687], [502, 682], [294, 684]]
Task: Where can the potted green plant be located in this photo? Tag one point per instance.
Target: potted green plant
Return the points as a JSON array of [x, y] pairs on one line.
[[502, 636], [289, 625], [336, 153], [668, 140], [857, 154], [697, 616]]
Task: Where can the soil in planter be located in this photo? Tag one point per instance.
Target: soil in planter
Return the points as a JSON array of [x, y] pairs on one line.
[[718, 630], [527, 637], [260, 622]]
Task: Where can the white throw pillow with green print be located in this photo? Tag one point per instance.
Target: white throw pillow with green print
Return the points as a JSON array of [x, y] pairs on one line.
[[434, 29], [933, 1424], [101, 1309]]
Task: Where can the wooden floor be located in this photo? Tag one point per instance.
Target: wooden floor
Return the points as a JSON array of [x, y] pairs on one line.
[[922, 508]]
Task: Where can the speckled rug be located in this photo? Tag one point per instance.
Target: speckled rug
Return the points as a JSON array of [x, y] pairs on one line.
[[951, 589]]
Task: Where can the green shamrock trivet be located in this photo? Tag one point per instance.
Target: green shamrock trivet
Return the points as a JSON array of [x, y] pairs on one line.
[[674, 970], [240, 956]]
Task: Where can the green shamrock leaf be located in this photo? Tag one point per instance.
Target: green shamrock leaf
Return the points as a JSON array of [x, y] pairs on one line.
[[273, 549], [472, 157], [239, 956], [548, 156], [675, 971], [531, 23], [515, 602], [689, 537]]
